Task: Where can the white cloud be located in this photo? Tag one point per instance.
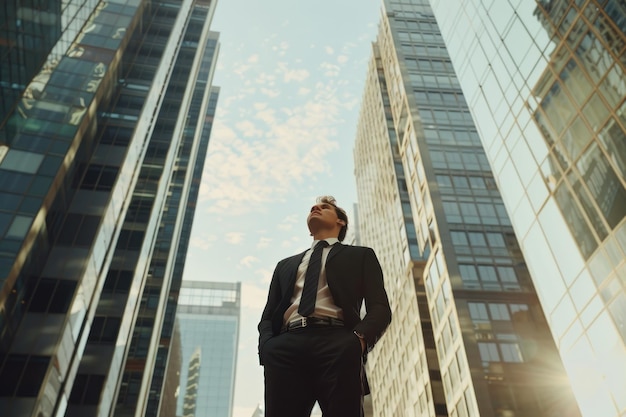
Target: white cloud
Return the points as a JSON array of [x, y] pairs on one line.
[[265, 79], [248, 261], [253, 58], [202, 242], [281, 48], [329, 50], [234, 238], [253, 296], [330, 70], [267, 115], [248, 129], [263, 242], [266, 275], [270, 93], [290, 74], [245, 169], [342, 59], [303, 91], [288, 222], [240, 69]]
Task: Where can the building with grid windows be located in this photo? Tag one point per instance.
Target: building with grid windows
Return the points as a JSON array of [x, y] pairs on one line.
[[545, 83], [208, 319], [468, 335], [106, 113]]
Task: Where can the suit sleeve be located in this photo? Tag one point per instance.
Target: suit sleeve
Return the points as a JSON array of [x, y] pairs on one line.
[[273, 300], [378, 312]]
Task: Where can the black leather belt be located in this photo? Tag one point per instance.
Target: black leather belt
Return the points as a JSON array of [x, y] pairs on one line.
[[312, 322]]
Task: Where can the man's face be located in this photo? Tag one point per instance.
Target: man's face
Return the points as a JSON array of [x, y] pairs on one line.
[[323, 215]]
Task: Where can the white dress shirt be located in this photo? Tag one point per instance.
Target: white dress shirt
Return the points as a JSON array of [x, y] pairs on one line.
[[324, 303]]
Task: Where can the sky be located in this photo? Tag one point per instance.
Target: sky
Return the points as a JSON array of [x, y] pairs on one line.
[[291, 74]]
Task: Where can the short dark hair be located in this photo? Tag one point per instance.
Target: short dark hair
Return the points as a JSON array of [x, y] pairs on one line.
[[341, 213]]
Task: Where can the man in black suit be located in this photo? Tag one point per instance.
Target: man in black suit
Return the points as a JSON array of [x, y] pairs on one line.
[[312, 340]]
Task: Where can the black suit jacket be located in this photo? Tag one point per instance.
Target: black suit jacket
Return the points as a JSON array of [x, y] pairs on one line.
[[353, 275]]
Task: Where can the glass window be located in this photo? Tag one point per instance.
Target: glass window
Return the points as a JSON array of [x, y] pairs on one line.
[[574, 78], [488, 352], [487, 273], [460, 182], [19, 227], [507, 274], [487, 213], [5, 220], [604, 185], [613, 139], [10, 372], [575, 138], [610, 86], [477, 183], [444, 181], [617, 309], [21, 161], [478, 312], [468, 272], [459, 238], [596, 112], [452, 212], [496, 240], [511, 352], [470, 214], [519, 312], [499, 311], [477, 239], [32, 378]]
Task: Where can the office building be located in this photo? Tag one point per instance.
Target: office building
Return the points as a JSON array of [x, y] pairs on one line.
[[468, 336], [107, 110], [545, 83], [208, 318]]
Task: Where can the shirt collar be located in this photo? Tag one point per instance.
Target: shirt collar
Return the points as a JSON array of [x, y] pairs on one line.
[[331, 241]]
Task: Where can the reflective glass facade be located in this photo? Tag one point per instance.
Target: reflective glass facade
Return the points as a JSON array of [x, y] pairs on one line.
[[545, 83], [208, 318], [468, 337], [103, 150]]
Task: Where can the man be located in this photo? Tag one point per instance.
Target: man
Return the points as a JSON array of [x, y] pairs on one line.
[[312, 341]]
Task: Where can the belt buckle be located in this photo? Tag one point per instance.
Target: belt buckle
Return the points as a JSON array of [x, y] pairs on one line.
[[303, 322]]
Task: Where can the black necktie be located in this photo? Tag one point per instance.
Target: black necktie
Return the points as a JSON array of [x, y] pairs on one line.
[[311, 279]]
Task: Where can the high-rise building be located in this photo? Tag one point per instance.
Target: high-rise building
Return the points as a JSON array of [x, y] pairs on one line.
[[208, 318], [468, 336], [545, 82], [107, 111]]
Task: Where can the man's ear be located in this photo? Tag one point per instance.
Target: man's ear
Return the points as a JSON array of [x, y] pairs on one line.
[[341, 222]]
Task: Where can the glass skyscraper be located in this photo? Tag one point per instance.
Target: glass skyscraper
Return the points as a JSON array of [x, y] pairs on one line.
[[208, 319], [468, 336], [546, 85], [106, 114]]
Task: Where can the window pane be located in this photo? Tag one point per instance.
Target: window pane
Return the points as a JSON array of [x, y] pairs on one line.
[[33, 376], [511, 352], [499, 311]]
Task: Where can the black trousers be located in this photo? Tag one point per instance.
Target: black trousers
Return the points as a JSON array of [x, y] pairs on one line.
[[311, 364]]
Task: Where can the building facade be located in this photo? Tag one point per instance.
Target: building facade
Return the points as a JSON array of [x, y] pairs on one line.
[[208, 318], [546, 85], [104, 132], [468, 336]]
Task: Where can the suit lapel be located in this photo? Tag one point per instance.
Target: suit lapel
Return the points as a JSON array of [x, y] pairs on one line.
[[337, 247], [291, 271]]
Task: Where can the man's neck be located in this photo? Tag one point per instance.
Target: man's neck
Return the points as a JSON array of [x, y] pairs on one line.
[[322, 235]]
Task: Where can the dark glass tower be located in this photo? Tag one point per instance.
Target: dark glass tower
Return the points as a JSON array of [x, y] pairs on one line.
[[103, 150], [468, 337]]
